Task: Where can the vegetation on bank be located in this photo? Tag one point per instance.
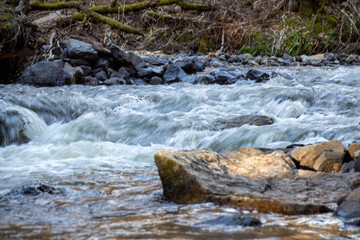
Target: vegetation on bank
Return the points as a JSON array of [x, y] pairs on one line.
[[258, 27]]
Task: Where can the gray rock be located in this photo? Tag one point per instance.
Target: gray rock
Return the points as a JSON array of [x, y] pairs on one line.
[[89, 81], [74, 72], [34, 190], [357, 165], [156, 81], [239, 58], [122, 73], [79, 62], [101, 76], [119, 55], [249, 179], [80, 50], [305, 59], [12, 126], [331, 56], [191, 65], [348, 167], [115, 81], [316, 63], [258, 76], [257, 120], [204, 79], [151, 71], [45, 73], [135, 61], [349, 208], [173, 74], [352, 58], [287, 57], [156, 61], [86, 70], [265, 60], [232, 220], [224, 77], [102, 63]]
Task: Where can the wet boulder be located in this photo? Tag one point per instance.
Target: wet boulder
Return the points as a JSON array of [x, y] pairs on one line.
[[45, 73], [151, 71], [204, 79], [257, 120], [80, 50], [34, 190], [232, 220], [156, 81], [249, 179], [257, 75], [174, 73], [115, 81], [12, 127], [349, 208], [191, 65], [224, 77], [308, 155]]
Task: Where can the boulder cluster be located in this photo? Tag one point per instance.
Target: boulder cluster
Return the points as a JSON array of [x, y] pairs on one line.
[[79, 62], [309, 179]]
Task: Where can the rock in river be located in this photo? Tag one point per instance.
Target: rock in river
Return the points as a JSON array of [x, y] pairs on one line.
[[232, 220], [45, 73], [249, 179]]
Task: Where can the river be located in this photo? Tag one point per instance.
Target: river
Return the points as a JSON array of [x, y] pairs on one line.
[[96, 146]]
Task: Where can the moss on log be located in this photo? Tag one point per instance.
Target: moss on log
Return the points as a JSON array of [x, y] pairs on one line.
[[113, 23], [38, 5]]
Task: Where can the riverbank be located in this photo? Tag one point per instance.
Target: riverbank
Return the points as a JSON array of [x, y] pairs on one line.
[[259, 28], [78, 62]]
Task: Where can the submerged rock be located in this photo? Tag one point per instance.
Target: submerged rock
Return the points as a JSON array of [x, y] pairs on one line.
[[232, 220], [258, 76], [12, 127], [34, 190], [45, 73], [249, 179], [257, 120]]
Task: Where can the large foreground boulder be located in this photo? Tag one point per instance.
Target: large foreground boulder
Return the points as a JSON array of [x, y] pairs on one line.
[[249, 179], [45, 73]]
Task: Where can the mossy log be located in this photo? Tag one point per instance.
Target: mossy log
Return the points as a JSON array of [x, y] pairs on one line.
[[97, 11], [109, 9], [113, 23]]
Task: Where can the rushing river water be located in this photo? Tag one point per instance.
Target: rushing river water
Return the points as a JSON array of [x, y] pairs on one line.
[[95, 145]]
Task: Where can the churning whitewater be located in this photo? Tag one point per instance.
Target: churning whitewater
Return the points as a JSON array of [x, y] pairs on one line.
[[96, 146]]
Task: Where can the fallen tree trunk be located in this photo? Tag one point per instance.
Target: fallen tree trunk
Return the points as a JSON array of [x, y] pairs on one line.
[[97, 11]]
